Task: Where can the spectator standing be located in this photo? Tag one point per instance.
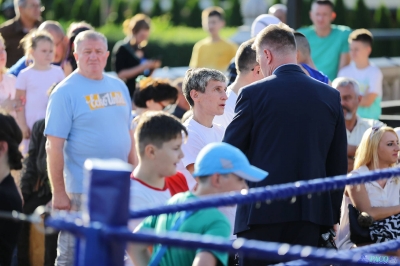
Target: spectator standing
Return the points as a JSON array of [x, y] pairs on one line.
[[60, 42], [368, 76], [305, 61], [291, 126], [34, 82], [129, 57], [80, 116], [10, 199], [248, 72], [329, 45], [27, 17], [7, 81], [355, 125], [213, 177], [279, 11], [213, 52]]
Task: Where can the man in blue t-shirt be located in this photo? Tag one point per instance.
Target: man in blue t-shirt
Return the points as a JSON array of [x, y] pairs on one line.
[[304, 59], [88, 116], [329, 45]]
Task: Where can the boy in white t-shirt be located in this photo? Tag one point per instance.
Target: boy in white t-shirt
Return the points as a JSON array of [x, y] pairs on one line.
[[248, 72], [158, 140], [369, 77], [205, 91]]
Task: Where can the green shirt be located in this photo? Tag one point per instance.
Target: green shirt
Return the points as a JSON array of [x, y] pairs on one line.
[[326, 51], [205, 222]]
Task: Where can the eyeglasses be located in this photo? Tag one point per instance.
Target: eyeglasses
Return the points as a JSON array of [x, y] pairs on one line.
[[35, 6], [375, 129]]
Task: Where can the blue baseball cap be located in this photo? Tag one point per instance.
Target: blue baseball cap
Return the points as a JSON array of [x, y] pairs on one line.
[[223, 158]]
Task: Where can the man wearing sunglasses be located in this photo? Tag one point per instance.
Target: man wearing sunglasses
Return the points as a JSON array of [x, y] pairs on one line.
[[27, 17], [248, 72]]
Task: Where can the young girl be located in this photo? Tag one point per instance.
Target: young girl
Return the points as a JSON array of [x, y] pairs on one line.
[[7, 81], [34, 81]]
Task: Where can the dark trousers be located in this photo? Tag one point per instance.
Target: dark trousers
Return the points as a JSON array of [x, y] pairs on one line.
[[300, 233]]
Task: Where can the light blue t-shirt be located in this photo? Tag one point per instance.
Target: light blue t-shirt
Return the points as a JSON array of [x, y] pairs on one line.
[[93, 116], [326, 51]]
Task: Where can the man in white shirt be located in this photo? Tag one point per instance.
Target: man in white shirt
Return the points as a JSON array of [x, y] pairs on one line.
[[248, 72], [205, 91], [355, 125]]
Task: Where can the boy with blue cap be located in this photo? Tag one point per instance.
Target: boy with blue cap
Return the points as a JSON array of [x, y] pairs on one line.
[[219, 168]]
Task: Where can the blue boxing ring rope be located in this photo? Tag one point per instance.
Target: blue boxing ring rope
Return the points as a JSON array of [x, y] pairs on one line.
[[102, 232]]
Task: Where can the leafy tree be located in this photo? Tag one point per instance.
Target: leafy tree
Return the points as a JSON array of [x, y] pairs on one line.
[[277, 2], [362, 17], [58, 7], [341, 13], [119, 8], [156, 11], [79, 10], [94, 13], [305, 12], [194, 20], [135, 7], [176, 17], [234, 17], [383, 20]]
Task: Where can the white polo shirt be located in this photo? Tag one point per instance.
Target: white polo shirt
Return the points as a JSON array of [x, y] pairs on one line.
[[354, 137]]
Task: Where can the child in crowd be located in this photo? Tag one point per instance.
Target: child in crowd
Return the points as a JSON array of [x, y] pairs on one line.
[[158, 141], [34, 81], [368, 76], [219, 168], [7, 81], [213, 51]]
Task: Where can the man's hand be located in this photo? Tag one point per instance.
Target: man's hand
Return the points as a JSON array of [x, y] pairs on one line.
[[61, 201], [10, 105]]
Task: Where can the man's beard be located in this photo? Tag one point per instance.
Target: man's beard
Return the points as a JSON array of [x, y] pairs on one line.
[[349, 113]]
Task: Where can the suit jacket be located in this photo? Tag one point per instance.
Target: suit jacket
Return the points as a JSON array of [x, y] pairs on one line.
[[292, 126]]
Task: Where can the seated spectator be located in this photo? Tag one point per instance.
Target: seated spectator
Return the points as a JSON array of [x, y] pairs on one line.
[[279, 11], [74, 29], [60, 42], [14, 30], [129, 57], [7, 83], [10, 199], [368, 76], [213, 177], [261, 22], [213, 51], [182, 105], [304, 58], [378, 149], [205, 90], [248, 72], [355, 125]]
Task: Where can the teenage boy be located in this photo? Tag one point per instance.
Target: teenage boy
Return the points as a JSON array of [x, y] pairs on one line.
[[248, 72], [368, 76], [330, 49], [158, 138], [219, 168], [213, 51]]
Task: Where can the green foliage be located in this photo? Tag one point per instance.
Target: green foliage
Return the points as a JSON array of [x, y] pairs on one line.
[[135, 7], [119, 8], [156, 10], [79, 10], [94, 13], [194, 19], [362, 17], [234, 17], [277, 2], [383, 20], [305, 13], [176, 17], [341, 13], [59, 7]]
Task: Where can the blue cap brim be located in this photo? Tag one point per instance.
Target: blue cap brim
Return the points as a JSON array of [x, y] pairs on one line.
[[252, 173]]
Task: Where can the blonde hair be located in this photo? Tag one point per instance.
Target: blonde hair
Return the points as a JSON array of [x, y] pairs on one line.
[[31, 40], [367, 151]]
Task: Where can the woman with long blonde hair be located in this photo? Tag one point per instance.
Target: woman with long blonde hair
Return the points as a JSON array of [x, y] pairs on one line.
[[378, 149]]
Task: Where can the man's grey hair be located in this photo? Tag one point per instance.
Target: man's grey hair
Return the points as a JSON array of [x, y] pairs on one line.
[[278, 38], [197, 79], [276, 7], [17, 4], [343, 82], [89, 35]]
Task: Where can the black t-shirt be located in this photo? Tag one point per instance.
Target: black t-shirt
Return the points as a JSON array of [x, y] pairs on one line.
[[9, 230], [124, 58]]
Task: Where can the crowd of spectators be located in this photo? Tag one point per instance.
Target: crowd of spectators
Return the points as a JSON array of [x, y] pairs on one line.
[[284, 106]]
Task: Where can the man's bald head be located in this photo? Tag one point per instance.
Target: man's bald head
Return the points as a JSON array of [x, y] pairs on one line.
[[60, 40], [279, 11], [53, 27]]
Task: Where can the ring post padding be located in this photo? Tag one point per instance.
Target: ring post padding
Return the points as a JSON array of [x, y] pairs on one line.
[[105, 203]]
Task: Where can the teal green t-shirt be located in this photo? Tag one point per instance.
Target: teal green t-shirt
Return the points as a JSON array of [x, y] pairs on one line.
[[326, 51], [205, 222]]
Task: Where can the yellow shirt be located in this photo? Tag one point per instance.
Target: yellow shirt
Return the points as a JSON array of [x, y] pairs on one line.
[[215, 55]]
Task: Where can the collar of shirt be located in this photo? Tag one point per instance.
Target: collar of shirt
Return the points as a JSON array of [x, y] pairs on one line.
[[282, 66]]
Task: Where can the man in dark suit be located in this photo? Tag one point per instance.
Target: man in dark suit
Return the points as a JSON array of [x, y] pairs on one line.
[[293, 127]]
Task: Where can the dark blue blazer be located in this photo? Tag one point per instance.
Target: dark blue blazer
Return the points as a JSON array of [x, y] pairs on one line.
[[292, 126]]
